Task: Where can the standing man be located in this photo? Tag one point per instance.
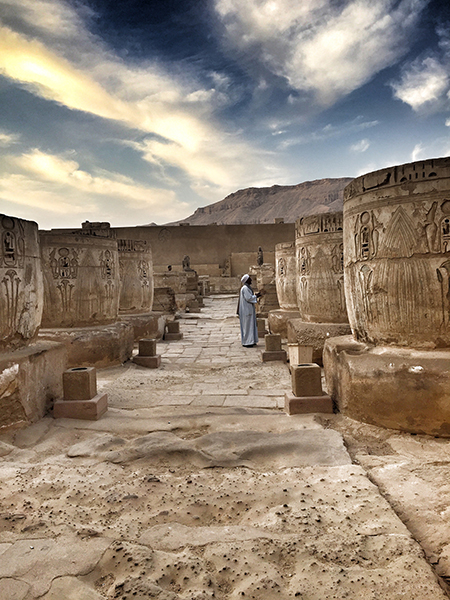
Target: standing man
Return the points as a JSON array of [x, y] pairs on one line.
[[247, 314]]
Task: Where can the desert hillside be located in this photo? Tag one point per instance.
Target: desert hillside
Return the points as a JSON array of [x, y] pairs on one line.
[[263, 205]]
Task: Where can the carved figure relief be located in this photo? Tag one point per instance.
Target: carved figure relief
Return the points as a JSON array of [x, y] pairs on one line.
[[337, 259], [281, 267], [443, 274], [366, 236], [340, 284], [65, 287], [164, 235], [445, 227], [65, 266], [260, 257], [431, 229], [13, 243], [303, 291], [304, 261], [11, 283], [365, 281]]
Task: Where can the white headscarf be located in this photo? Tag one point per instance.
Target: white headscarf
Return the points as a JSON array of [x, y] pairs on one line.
[[245, 278]]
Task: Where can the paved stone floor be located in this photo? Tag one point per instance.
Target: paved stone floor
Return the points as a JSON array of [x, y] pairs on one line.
[[195, 485]]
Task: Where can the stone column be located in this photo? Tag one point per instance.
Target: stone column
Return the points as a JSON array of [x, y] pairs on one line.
[[81, 296], [286, 286], [136, 276], [320, 282], [395, 371], [30, 371]]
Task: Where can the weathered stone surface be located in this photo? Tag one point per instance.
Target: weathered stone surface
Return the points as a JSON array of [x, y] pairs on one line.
[[397, 255], [151, 362], [71, 588], [146, 325], [314, 334], [147, 347], [22, 290], [81, 280], [278, 321], [136, 276], [299, 354], [30, 379], [391, 387], [100, 346], [286, 276], [320, 273], [164, 300], [306, 380], [80, 383], [270, 355], [272, 342], [264, 281]]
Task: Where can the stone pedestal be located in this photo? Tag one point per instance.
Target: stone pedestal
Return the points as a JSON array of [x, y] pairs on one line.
[[261, 326], [307, 395], [399, 388], [147, 356], [173, 332], [81, 400], [299, 354], [273, 349]]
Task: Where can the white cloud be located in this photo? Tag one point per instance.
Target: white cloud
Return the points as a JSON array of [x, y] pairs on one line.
[[418, 152], [423, 82], [58, 185], [321, 46], [360, 146], [8, 139], [60, 61]]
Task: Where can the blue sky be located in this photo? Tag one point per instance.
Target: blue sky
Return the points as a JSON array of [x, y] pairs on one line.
[[138, 111]]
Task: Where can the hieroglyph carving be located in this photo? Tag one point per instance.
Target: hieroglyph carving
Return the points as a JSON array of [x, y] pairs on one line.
[[367, 232], [10, 283], [144, 273], [443, 274], [337, 259], [326, 223], [13, 243], [281, 267], [64, 266], [304, 261]]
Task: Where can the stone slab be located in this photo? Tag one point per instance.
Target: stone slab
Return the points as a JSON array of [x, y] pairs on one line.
[[147, 325], [390, 387], [294, 405], [90, 410], [275, 355], [151, 362]]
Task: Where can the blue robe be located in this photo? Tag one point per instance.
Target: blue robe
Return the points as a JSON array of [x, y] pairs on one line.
[[247, 316]]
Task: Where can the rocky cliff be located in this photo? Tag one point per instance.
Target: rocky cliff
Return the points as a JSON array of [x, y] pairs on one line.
[[264, 205]]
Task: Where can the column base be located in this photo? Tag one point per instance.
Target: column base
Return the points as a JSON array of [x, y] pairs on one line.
[[314, 334], [88, 410], [151, 362], [397, 388], [274, 355], [300, 405]]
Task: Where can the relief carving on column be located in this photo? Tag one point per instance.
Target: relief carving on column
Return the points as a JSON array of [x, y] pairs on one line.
[[11, 282], [13, 243]]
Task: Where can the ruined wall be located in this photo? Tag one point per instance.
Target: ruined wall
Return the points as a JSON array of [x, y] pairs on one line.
[[397, 255], [320, 280], [209, 244]]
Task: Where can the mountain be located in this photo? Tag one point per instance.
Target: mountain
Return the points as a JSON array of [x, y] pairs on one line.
[[264, 205]]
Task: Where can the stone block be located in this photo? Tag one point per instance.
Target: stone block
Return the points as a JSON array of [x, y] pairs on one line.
[[299, 354], [89, 410], [151, 362], [80, 383], [278, 321], [261, 326], [307, 404], [306, 380], [147, 347], [314, 334], [173, 326], [273, 342], [268, 356]]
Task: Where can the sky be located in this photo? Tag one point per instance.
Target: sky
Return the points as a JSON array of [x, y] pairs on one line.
[[140, 111]]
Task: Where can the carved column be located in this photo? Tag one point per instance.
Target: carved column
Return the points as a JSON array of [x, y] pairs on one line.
[[22, 291], [286, 275], [136, 276], [395, 370]]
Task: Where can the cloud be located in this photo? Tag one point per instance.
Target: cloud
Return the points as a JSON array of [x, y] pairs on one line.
[[60, 61], [329, 131], [360, 146], [58, 185], [423, 82], [8, 139], [320, 46]]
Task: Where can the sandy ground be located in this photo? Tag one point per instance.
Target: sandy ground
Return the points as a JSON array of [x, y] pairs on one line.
[[196, 485]]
